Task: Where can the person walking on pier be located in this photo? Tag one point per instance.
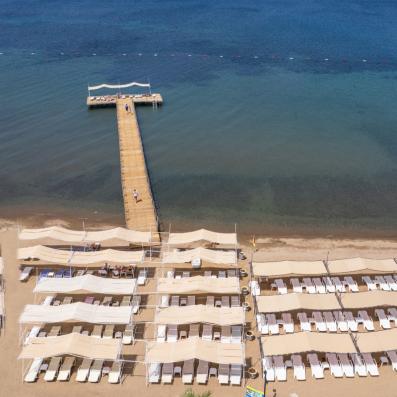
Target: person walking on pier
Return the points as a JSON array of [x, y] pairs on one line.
[[136, 195], [126, 107]]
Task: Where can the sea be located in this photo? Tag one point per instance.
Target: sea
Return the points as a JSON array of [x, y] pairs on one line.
[[279, 117]]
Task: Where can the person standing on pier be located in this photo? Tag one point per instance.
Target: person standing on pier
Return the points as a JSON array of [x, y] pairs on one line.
[[126, 107], [136, 195]]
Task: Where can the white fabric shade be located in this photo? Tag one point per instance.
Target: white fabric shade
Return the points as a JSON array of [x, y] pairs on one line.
[[369, 299], [76, 312], [202, 235], [362, 266], [289, 268], [86, 284], [118, 86], [208, 255], [379, 341]]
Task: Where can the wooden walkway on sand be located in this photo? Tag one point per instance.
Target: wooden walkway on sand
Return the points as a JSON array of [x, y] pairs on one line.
[[139, 215]]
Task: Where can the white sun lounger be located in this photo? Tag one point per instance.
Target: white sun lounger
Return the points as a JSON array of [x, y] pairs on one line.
[[269, 374], [34, 370], [165, 299], [84, 370], [341, 321], [154, 372], [320, 287], [329, 286], [25, 273], [142, 275], [315, 366], [384, 322], [296, 285], [194, 330], [272, 324], [393, 314], [299, 367], [309, 286], [161, 332], [175, 300], [168, 373], [236, 333], [330, 322], [351, 284], [172, 333], [66, 369], [339, 287], [383, 285], [128, 334], [359, 367], [235, 374], [52, 369], [223, 374], [281, 287], [207, 332], [334, 365], [371, 285], [95, 371], [319, 322], [226, 334], [170, 274], [32, 334], [351, 321], [366, 320], [202, 372], [393, 359], [392, 283], [305, 324], [97, 331], [136, 304], [263, 328], [115, 372], [288, 324], [48, 300], [280, 368], [370, 363], [255, 288], [187, 372], [108, 332], [346, 364]]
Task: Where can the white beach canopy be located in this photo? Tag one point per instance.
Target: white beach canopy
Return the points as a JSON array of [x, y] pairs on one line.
[[379, 341], [289, 268], [369, 299], [296, 301], [362, 266], [76, 312], [200, 314], [73, 344], [208, 255], [118, 86], [194, 348], [202, 235], [198, 284], [116, 236], [86, 284], [303, 342], [70, 258]]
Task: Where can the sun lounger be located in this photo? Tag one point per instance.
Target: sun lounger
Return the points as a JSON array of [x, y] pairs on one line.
[[320, 287], [126, 301], [95, 371], [392, 283], [168, 373], [128, 334], [370, 363], [225, 301], [172, 333], [235, 301], [255, 288], [351, 284], [154, 373], [187, 372], [269, 373], [89, 300], [299, 367], [108, 332], [107, 301], [80, 272], [44, 274], [97, 331], [351, 321], [25, 273], [165, 299], [83, 371], [341, 321], [288, 324], [263, 326], [384, 322], [237, 333], [393, 358], [235, 374], [232, 273], [210, 301], [223, 374], [161, 333], [115, 372], [202, 372], [170, 274], [207, 332], [194, 330], [54, 331], [272, 324], [346, 364], [334, 365], [359, 367], [280, 368], [67, 300], [319, 322], [67, 273], [207, 273], [191, 300], [330, 322], [185, 274], [305, 324], [66, 369], [142, 275], [281, 287], [34, 370], [339, 287], [32, 334], [52, 369], [329, 286], [175, 300], [77, 329], [315, 366], [309, 286], [136, 304], [383, 285], [226, 334], [366, 320], [48, 300], [222, 274], [393, 315], [296, 285], [371, 285]]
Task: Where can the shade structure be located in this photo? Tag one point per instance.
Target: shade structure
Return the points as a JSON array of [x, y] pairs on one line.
[[194, 348], [362, 266], [79, 258], [304, 342], [1, 266], [76, 312], [73, 344], [118, 86], [202, 235], [198, 284], [222, 316], [208, 255], [296, 301], [369, 299], [379, 341], [116, 235], [86, 284], [289, 268]]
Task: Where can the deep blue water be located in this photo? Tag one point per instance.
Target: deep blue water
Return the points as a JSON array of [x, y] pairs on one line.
[[278, 115]]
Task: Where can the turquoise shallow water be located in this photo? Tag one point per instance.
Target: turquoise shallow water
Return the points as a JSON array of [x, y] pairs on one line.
[[258, 128]]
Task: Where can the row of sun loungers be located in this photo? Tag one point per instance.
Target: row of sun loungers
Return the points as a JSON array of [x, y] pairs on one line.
[[226, 374], [384, 283], [224, 301], [207, 273]]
